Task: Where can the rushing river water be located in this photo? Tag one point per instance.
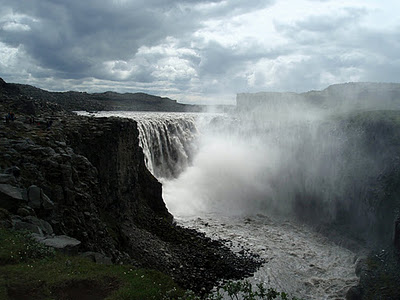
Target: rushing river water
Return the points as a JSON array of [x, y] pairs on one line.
[[234, 187], [297, 259]]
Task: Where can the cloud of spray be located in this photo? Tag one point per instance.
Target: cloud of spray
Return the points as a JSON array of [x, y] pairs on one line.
[[285, 156], [223, 178]]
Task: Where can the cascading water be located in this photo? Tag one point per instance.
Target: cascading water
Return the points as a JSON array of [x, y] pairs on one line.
[[256, 174], [168, 140], [244, 177]]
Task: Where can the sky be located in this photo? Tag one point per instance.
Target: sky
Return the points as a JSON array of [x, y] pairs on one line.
[[198, 51]]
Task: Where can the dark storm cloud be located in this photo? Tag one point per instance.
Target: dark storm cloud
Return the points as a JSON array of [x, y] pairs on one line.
[[72, 36]]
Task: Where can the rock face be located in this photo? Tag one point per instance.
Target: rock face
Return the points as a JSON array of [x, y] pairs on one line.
[[81, 183], [127, 188]]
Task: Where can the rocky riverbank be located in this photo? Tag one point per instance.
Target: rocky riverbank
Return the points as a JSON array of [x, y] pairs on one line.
[[80, 184]]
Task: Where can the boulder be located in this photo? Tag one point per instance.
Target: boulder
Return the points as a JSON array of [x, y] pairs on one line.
[[98, 258], [21, 225], [38, 199], [34, 196], [61, 242], [10, 197], [42, 224]]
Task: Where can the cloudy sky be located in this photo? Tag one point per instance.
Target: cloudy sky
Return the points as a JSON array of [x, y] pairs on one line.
[[198, 51]]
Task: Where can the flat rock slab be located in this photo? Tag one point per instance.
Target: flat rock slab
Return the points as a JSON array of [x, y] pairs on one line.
[[61, 242], [11, 191]]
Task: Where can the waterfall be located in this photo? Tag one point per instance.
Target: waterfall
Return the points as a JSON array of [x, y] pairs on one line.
[[168, 142], [282, 159], [168, 139], [257, 176], [286, 160]]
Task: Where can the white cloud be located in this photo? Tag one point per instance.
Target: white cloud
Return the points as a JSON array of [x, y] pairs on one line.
[[12, 26]]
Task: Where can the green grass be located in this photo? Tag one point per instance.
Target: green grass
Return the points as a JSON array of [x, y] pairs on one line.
[[30, 271], [17, 247]]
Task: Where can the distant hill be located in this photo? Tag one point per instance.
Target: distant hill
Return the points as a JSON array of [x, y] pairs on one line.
[[75, 101], [338, 97]]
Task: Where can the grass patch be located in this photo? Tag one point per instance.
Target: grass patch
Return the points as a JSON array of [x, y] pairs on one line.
[[26, 274], [17, 247]]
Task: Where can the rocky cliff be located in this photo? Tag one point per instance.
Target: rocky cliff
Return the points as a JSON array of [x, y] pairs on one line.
[[81, 184], [75, 101]]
